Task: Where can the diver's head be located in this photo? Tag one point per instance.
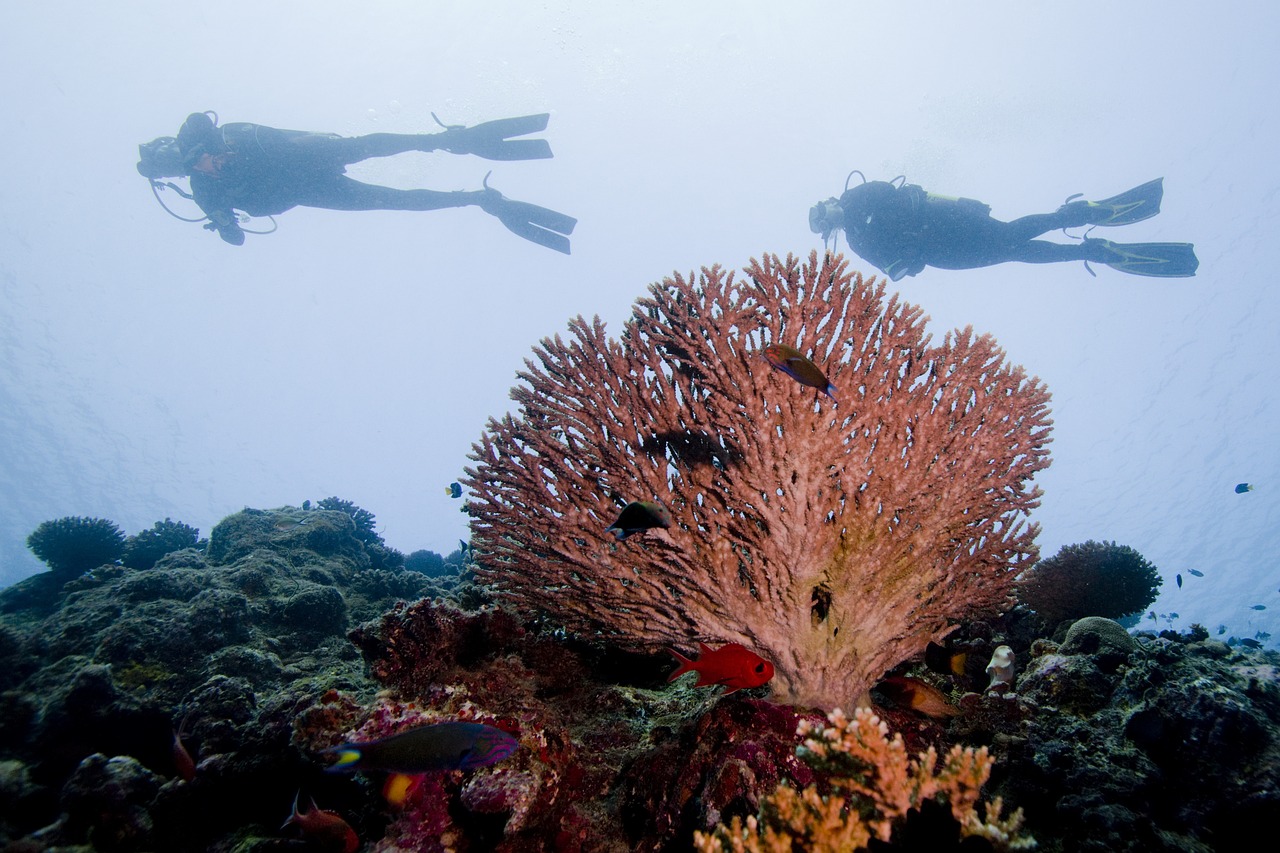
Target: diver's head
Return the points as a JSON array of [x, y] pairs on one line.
[[160, 158], [826, 217]]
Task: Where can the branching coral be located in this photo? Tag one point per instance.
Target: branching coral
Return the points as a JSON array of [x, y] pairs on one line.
[[835, 538], [73, 545], [873, 785], [1090, 579], [143, 550]]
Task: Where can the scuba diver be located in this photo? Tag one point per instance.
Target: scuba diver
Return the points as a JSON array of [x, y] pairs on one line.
[[901, 229], [264, 171]]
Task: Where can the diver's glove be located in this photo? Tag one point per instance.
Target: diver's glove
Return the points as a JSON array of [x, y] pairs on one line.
[[228, 228], [489, 140], [536, 224]]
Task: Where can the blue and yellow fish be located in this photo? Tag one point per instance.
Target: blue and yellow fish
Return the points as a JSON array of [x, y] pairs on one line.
[[1241, 488], [453, 490]]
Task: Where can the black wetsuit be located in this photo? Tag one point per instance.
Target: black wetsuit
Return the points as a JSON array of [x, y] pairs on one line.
[[901, 230], [264, 171]]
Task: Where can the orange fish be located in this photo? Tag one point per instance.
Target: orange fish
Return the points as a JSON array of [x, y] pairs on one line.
[[182, 760], [918, 696], [325, 828], [732, 665], [794, 363]]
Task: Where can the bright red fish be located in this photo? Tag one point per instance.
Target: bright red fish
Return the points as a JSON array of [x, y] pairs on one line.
[[732, 665], [327, 830], [794, 363]]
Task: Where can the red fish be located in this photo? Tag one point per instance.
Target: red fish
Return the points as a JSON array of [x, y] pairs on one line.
[[326, 829], [732, 665], [794, 363], [182, 760]]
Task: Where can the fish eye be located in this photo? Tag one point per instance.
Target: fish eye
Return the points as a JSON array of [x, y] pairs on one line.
[[760, 668]]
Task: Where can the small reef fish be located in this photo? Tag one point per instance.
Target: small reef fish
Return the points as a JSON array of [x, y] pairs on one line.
[[1195, 573], [439, 746], [1259, 607], [1241, 488], [920, 696], [453, 490], [794, 363], [325, 829], [638, 516], [941, 659], [1178, 578], [732, 665], [182, 760]]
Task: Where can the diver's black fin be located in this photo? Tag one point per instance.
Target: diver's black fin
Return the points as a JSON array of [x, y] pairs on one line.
[[489, 139], [1160, 260], [536, 224], [1141, 202]]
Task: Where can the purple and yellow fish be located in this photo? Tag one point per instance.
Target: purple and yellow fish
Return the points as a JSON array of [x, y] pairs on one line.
[[794, 363], [439, 746]]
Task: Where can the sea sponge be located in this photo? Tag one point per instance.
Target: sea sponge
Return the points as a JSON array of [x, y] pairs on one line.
[[73, 545], [1089, 579]]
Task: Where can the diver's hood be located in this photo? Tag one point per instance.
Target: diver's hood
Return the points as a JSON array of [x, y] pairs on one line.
[[160, 158], [826, 217]]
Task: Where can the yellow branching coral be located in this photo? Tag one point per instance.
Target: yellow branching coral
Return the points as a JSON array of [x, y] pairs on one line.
[[873, 784]]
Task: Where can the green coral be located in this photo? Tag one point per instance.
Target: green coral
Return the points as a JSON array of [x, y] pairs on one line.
[[1090, 579], [73, 545], [145, 549]]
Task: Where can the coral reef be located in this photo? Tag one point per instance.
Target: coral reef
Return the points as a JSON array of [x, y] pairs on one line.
[[234, 641], [835, 539], [1089, 579], [144, 549], [871, 785], [73, 545]]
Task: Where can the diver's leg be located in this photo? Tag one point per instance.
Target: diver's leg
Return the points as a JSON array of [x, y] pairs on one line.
[[1045, 252], [1025, 227], [352, 149], [342, 193]]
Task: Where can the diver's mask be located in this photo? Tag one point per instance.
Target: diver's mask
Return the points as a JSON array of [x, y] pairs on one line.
[[826, 217], [160, 158]]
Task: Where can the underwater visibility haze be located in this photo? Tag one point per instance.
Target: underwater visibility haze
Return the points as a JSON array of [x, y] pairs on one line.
[[150, 370]]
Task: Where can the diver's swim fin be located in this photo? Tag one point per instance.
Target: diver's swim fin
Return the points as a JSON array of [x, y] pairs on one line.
[[1161, 260], [540, 225], [1141, 202], [489, 139]]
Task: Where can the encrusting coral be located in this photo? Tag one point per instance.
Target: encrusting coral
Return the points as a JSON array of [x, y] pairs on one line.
[[873, 785], [835, 539]]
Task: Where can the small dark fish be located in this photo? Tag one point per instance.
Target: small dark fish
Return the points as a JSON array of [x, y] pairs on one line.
[[638, 516], [1241, 488], [1195, 573], [1259, 607], [1222, 629], [1173, 615], [1178, 578], [1252, 644], [440, 746], [453, 490], [1262, 635], [794, 363]]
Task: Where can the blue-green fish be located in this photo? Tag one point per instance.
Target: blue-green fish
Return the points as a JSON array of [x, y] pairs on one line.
[[1259, 607], [440, 746], [1241, 488], [1195, 573], [794, 363]]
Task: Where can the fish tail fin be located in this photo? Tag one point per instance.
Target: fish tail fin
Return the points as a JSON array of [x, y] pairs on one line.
[[349, 756], [830, 391], [686, 665]]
